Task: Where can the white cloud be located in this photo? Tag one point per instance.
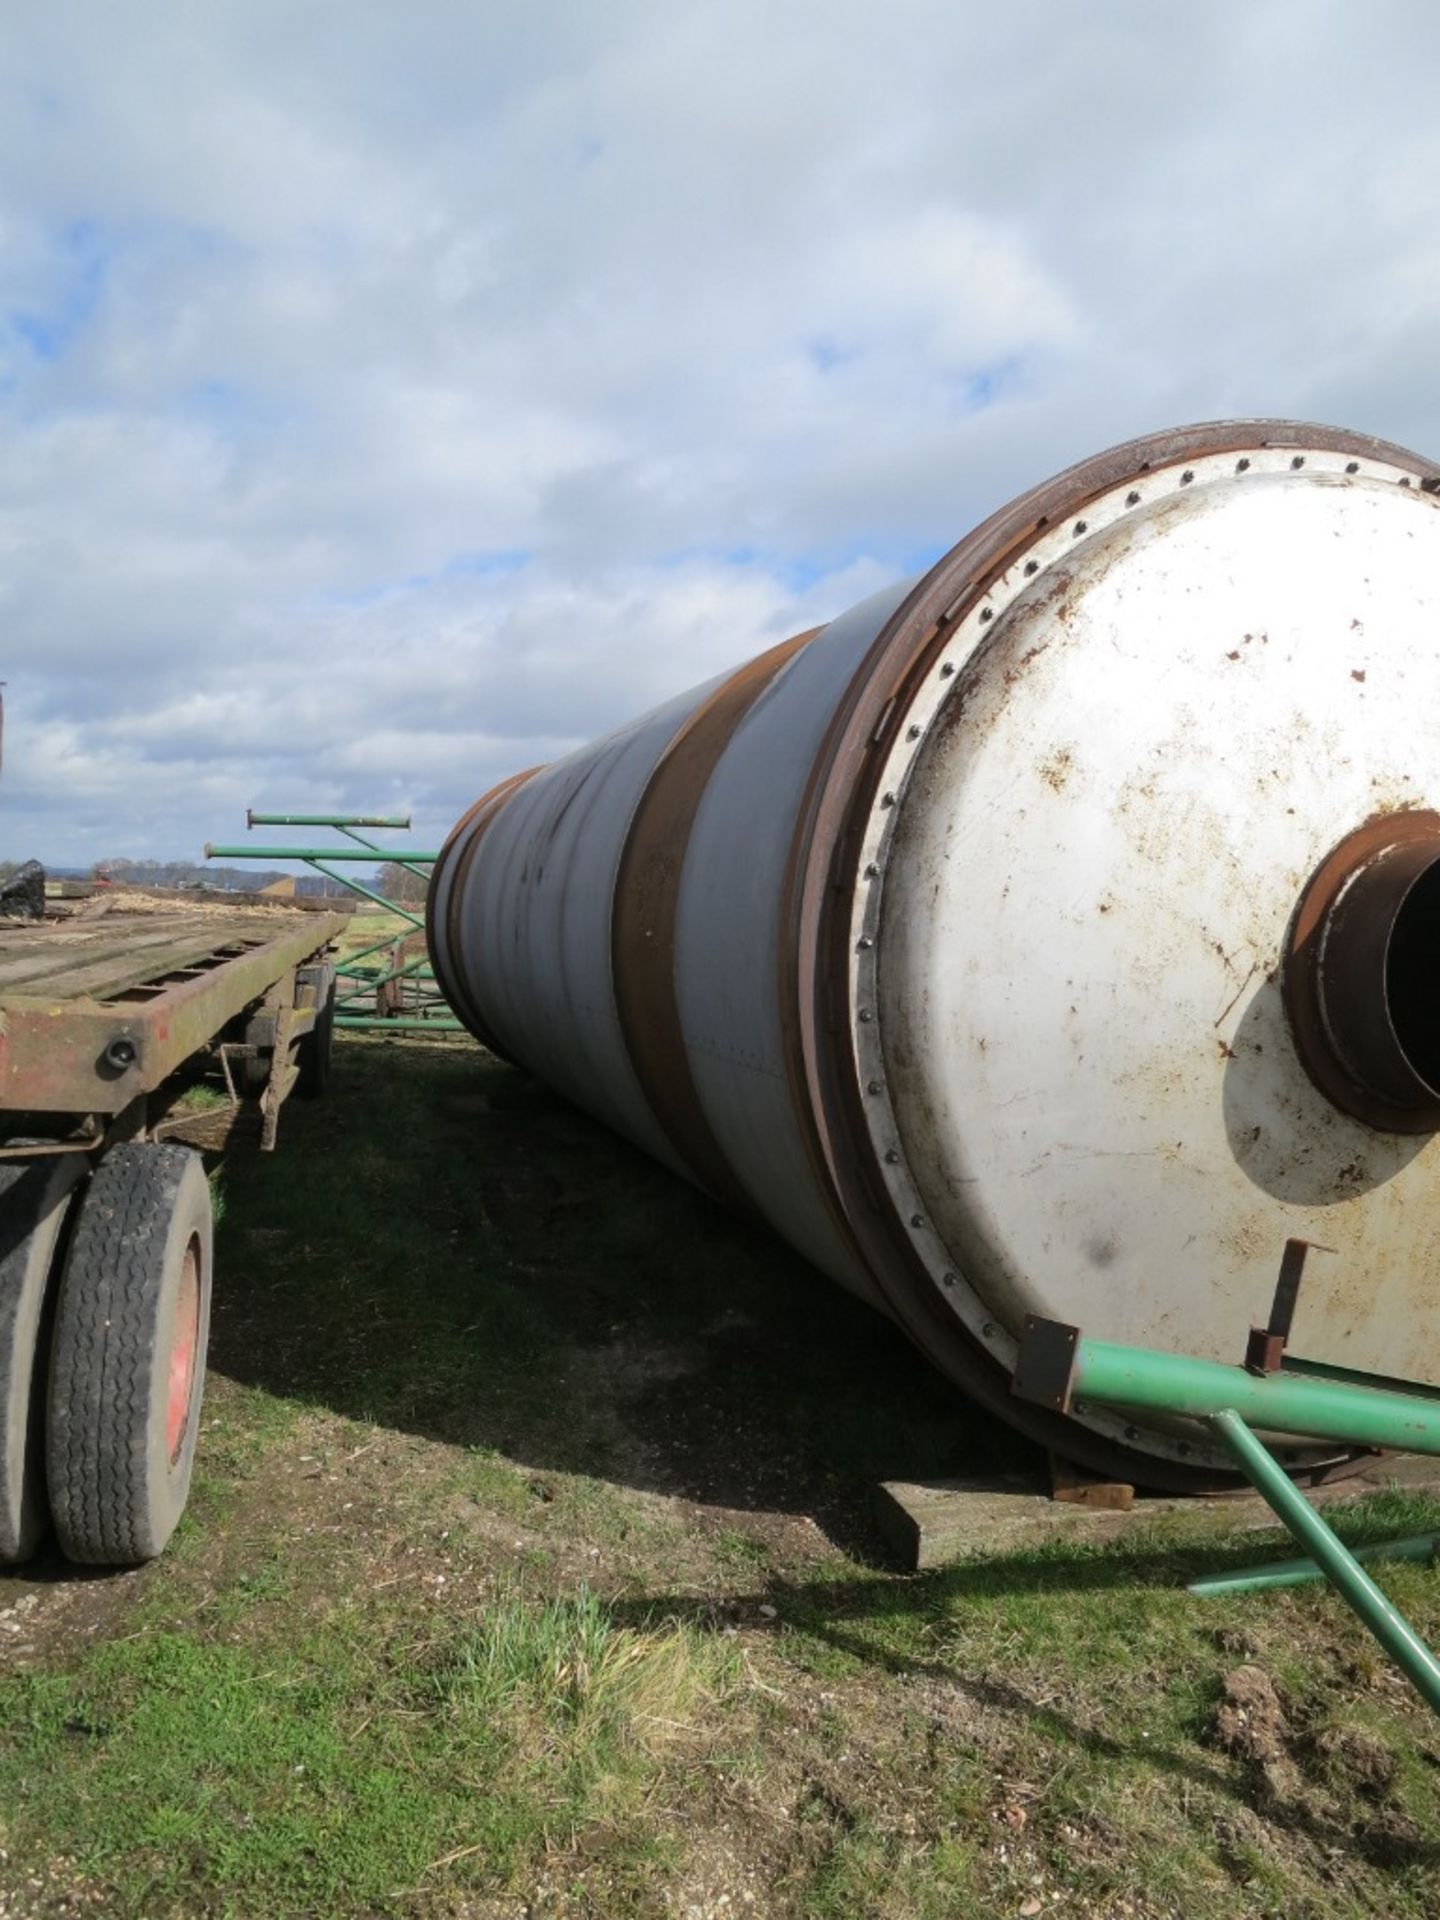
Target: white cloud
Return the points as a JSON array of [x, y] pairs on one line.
[[389, 398]]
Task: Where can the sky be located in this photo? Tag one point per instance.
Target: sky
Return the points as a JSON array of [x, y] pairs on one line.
[[392, 397]]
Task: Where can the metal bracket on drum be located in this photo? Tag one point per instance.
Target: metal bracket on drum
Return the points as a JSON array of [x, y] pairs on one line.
[[1277, 1393]]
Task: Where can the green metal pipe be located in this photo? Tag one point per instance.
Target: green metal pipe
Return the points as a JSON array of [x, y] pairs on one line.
[[399, 1025], [1294, 1573], [365, 996], [380, 979], [358, 886], [1356, 1588], [400, 859], [253, 819], [1327, 1370], [376, 974], [1279, 1402], [347, 963], [360, 996], [310, 854], [410, 967]]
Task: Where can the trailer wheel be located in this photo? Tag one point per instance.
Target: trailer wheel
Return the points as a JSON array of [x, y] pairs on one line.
[[315, 1048], [35, 1199], [127, 1364]]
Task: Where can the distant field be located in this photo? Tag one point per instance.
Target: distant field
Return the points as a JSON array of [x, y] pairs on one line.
[[368, 923], [529, 1572]]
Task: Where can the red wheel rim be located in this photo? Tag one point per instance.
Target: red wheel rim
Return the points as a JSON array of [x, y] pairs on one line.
[[184, 1344]]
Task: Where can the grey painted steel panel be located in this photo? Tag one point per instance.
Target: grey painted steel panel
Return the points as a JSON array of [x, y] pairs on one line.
[[536, 920], [727, 953]]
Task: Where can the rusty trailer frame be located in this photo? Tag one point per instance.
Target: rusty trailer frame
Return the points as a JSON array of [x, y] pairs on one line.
[[106, 1223], [96, 1018]]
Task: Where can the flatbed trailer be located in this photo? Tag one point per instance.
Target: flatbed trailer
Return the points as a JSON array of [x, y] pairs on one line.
[[129, 1044]]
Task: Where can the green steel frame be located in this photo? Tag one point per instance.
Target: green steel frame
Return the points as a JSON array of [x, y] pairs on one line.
[[401, 990], [1058, 1367]]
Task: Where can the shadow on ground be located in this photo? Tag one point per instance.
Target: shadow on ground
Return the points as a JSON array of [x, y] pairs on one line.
[[445, 1247]]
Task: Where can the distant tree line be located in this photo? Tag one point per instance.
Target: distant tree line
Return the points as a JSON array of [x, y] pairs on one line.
[[394, 881], [191, 873], [399, 883]]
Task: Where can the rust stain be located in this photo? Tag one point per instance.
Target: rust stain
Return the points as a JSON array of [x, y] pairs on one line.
[[1231, 1004], [1055, 771], [1394, 793], [1251, 1240], [1358, 674], [1013, 674]]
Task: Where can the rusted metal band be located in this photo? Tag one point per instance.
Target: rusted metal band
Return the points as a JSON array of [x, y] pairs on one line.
[[460, 849], [647, 900], [820, 877]]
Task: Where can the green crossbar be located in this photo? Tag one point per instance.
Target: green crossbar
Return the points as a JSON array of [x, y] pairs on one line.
[[1058, 1368]]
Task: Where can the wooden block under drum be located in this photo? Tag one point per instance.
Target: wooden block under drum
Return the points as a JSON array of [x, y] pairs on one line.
[[933, 1523], [1081, 1488]]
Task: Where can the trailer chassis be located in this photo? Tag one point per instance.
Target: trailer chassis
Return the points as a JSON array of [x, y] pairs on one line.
[[106, 1238]]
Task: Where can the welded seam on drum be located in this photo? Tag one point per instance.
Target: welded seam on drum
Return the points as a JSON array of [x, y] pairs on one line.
[[645, 920], [462, 847]]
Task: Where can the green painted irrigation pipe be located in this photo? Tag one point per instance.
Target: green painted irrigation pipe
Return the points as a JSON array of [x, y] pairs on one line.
[[369, 855], [253, 819], [1295, 1573], [347, 961], [377, 976], [399, 1025], [359, 886], [412, 863], [1279, 1402], [1356, 1588], [370, 984]]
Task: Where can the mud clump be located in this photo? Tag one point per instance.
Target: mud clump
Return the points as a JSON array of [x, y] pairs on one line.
[[1390, 1839], [1350, 1758], [1249, 1720], [1234, 1641]]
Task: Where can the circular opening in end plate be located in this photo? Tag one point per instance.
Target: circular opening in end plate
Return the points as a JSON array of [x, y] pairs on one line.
[[1412, 979], [1360, 974]]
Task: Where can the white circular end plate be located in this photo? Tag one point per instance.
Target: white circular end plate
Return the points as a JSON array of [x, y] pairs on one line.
[[1088, 842]]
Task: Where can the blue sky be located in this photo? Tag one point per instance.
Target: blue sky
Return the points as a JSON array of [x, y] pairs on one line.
[[391, 398]]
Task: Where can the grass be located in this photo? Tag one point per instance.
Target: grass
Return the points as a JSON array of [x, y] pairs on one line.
[[562, 1660], [336, 1772], [529, 1569]]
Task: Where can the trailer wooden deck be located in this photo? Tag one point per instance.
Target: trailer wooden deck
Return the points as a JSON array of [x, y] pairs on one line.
[[94, 1014]]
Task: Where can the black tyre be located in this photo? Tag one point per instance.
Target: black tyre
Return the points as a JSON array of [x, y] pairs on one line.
[[315, 1049], [35, 1200], [127, 1361]]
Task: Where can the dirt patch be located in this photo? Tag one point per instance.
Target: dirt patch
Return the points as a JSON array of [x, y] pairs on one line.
[[1249, 1720], [1355, 1760], [1390, 1839]]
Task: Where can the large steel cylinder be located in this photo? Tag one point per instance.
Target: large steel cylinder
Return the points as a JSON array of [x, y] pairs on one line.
[[1055, 933]]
